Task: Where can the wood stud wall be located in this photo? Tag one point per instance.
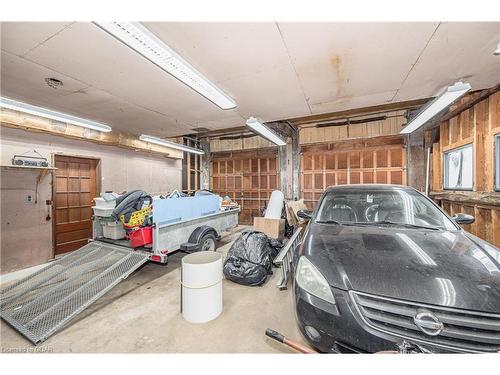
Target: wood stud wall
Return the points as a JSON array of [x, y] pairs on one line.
[[477, 125]]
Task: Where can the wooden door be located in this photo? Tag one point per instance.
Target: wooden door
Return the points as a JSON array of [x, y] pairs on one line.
[[73, 190], [366, 165], [247, 179]]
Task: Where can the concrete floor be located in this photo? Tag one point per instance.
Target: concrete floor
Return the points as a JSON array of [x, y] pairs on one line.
[[142, 315]]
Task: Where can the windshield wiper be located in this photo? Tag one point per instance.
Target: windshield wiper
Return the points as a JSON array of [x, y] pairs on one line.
[[388, 222], [328, 222]]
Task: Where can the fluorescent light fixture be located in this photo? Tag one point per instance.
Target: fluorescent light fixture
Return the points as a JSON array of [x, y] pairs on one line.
[[54, 115], [264, 131], [451, 94], [177, 146], [144, 42]]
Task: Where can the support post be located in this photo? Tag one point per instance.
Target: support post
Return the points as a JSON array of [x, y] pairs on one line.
[[288, 159], [206, 159]]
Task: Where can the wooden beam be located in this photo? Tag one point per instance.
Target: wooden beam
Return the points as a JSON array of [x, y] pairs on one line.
[[482, 199], [358, 112], [36, 124], [219, 132], [353, 144]]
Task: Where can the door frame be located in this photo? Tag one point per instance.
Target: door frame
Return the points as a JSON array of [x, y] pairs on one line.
[[53, 191]]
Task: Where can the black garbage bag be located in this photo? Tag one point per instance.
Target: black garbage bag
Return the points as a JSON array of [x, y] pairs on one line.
[[250, 258]]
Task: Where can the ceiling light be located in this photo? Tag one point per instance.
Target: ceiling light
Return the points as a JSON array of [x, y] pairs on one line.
[[264, 131], [451, 94], [177, 146], [141, 40], [54, 115], [497, 50]]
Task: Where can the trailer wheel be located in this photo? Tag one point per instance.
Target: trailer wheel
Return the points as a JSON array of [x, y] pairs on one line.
[[207, 242]]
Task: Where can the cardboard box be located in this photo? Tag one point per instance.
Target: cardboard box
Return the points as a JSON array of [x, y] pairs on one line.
[[274, 228]]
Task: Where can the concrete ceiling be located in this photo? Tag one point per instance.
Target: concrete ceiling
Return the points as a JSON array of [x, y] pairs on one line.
[[272, 70]]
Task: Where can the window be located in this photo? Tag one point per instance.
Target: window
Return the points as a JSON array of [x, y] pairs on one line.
[[497, 162], [458, 168]]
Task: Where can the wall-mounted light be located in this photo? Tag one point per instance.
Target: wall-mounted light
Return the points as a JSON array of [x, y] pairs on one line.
[[451, 94], [497, 50], [177, 146], [144, 42], [54, 115], [264, 131]]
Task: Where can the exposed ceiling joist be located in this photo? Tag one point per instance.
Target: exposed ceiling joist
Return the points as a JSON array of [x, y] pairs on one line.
[[372, 110]]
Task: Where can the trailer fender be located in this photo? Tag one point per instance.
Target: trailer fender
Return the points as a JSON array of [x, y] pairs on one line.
[[195, 239]]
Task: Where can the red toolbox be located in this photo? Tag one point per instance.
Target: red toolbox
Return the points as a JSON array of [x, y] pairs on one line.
[[140, 237]]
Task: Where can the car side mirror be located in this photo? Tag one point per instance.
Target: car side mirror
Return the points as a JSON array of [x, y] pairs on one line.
[[304, 214], [462, 218]]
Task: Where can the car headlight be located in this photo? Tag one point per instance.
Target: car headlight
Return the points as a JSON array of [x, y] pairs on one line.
[[312, 281]]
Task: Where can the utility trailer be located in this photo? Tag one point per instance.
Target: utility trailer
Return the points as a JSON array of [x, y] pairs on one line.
[[42, 303], [193, 234]]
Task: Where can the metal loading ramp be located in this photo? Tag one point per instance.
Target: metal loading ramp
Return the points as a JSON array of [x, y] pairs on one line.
[[39, 305]]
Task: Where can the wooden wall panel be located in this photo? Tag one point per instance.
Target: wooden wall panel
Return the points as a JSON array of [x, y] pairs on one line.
[[221, 145], [477, 125], [247, 179], [359, 165], [390, 126]]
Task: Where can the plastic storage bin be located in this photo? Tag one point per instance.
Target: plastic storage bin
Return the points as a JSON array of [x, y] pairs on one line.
[[102, 212], [140, 237], [113, 230], [102, 203]]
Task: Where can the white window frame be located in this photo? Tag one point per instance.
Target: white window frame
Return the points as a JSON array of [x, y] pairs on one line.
[[445, 168]]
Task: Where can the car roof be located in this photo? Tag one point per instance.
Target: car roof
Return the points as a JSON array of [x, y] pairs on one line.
[[368, 187]]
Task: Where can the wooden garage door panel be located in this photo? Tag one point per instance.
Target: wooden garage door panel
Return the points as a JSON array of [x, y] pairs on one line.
[[74, 189], [249, 180], [320, 169]]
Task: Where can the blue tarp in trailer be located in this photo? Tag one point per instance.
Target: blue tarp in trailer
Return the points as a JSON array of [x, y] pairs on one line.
[[166, 211]]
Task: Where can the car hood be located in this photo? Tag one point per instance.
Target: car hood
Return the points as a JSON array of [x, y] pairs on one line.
[[446, 268]]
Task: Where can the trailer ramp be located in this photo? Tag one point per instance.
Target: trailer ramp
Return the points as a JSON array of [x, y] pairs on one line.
[[41, 304]]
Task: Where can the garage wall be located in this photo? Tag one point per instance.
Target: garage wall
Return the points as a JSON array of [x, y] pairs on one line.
[[391, 125], [247, 178], [476, 126], [248, 143], [380, 160], [26, 234]]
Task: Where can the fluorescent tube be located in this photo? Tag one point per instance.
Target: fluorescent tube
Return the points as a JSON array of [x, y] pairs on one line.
[[54, 115], [144, 42], [264, 131], [451, 94], [177, 146]]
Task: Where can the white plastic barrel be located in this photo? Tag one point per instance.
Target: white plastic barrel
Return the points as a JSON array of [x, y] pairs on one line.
[[201, 286]]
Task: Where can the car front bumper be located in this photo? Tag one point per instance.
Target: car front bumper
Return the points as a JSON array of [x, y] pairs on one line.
[[337, 328]]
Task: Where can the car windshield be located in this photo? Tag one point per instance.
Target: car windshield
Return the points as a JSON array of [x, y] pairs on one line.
[[382, 207]]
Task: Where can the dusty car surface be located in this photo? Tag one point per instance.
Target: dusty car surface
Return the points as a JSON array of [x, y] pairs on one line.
[[382, 264]]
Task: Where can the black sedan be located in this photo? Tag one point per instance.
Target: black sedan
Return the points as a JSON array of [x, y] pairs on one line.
[[382, 265]]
